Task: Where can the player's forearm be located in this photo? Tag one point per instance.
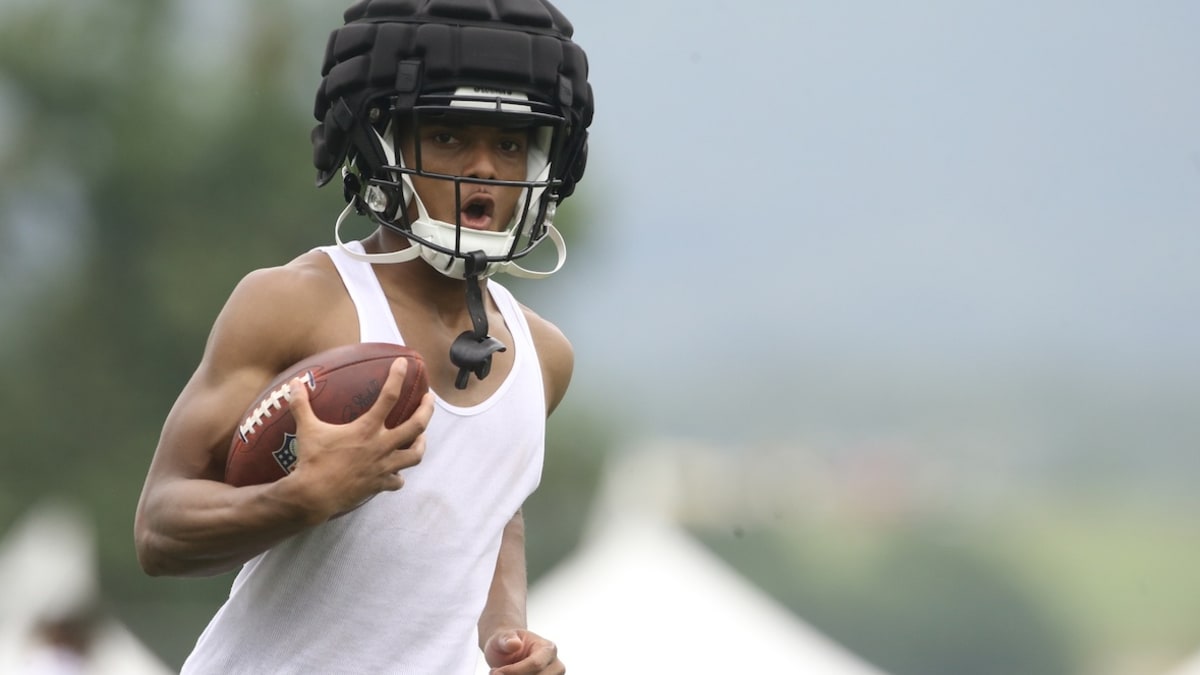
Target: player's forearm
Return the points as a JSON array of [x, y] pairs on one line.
[[506, 599], [202, 528]]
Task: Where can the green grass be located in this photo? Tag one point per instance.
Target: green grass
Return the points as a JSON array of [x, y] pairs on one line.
[[1123, 575], [1056, 585]]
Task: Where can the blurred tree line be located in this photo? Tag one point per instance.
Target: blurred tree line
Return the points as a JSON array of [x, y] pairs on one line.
[[138, 183]]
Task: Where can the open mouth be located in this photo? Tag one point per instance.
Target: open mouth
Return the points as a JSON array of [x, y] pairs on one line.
[[478, 212]]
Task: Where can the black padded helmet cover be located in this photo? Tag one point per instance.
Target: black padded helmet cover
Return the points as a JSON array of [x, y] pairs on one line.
[[399, 50]]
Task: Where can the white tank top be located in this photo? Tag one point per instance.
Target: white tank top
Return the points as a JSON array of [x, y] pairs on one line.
[[396, 586]]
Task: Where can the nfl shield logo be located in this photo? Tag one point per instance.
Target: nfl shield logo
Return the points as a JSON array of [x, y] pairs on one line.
[[286, 454]]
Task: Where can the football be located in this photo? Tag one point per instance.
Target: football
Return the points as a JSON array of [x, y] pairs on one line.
[[343, 383]]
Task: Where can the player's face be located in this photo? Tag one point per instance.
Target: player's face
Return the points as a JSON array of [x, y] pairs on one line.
[[470, 151]]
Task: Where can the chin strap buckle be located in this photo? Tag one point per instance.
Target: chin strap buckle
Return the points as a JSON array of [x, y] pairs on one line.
[[472, 350]]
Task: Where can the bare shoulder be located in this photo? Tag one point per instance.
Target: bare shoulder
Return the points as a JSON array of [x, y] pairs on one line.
[[273, 318], [556, 354], [278, 315]]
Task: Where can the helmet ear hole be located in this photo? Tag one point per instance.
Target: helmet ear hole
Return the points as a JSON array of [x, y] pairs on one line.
[[377, 200]]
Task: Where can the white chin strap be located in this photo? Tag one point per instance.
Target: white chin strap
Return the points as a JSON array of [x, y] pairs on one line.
[[403, 255]]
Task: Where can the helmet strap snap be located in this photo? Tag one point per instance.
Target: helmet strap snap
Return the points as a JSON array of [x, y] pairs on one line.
[[472, 350]]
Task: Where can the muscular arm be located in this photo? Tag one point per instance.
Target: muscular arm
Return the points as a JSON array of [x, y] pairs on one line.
[[505, 607], [503, 634], [190, 523]]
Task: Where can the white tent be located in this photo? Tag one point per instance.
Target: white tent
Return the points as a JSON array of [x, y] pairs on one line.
[[1189, 667], [645, 598], [48, 573], [641, 596]]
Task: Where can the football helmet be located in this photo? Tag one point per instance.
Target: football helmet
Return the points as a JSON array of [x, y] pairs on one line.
[[397, 66]]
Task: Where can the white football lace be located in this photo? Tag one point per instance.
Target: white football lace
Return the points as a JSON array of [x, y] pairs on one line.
[[272, 401]]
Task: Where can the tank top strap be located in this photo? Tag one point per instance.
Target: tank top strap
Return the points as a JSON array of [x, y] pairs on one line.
[[375, 320], [514, 317]]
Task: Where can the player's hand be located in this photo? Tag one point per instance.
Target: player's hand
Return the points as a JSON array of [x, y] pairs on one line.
[[521, 652], [342, 465]]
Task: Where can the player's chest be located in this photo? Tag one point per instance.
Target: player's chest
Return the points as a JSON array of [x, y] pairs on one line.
[[434, 341]]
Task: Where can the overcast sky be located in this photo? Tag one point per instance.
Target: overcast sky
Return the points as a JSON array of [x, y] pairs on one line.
[[919, 177]]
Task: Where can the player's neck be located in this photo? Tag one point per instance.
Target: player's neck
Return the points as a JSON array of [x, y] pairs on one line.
[[416, 283]]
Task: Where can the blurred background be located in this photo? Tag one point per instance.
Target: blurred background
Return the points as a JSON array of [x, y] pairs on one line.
[[890, 309]]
